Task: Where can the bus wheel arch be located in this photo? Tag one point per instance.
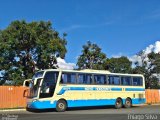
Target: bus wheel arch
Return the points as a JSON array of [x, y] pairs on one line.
[[128, 102], [118, 103], [61, 105]]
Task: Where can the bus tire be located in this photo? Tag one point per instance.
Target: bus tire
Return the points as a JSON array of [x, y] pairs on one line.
[[61, 106], [118, 103], [128, 103]]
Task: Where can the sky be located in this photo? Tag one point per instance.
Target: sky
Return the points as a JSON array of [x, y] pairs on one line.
[[119, 27]]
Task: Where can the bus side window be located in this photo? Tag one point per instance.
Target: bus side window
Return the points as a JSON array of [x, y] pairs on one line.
[[81, 79], [113, 80], [68, 78], [137, 81], [73, 78], [63, 79], [88, 79], [125, 80], [100, 79]]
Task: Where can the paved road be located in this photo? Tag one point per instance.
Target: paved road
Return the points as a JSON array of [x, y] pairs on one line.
[[94, 113]]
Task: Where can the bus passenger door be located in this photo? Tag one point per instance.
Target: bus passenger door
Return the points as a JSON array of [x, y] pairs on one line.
[[48, 84]]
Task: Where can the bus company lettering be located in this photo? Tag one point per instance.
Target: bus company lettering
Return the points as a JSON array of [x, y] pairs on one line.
[[89, 88], [97, 89], [103, 89]]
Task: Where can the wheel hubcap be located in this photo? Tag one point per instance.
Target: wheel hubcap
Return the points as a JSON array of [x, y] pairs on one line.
[[118, 103], [61, 105], [127, 103]]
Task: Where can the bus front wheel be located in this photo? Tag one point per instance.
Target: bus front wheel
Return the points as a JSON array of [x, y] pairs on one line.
[[118, 103], [61, 106]]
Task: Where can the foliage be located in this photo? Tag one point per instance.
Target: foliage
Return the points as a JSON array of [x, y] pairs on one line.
[[119, 65], [91, 57], [2, 81], [149, 64], [149, 67], [26, 47]]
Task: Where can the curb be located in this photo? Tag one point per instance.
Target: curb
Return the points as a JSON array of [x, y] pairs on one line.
[[10, 110], [147, 104], [153, 104]]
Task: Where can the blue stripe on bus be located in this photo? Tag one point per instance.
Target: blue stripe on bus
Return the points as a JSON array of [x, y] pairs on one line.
[[94, 102], [41, 104], [116, 89], [134, 89], [81, 103], [64, 89]]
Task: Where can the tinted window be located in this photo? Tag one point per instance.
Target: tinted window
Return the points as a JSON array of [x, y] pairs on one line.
[[81, 79], [137, 81], [68, 78], [88, 79], [48, 85], [126, 80], [38, 74], [113, 80], [99, 79], [50, 77]]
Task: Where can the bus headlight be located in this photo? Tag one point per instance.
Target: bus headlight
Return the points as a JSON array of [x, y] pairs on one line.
[[34, 100]]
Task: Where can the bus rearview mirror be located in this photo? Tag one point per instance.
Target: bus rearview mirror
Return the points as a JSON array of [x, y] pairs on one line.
[[27, 82]]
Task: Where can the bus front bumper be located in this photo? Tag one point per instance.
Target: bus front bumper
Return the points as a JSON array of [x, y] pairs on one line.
[[36, 104]]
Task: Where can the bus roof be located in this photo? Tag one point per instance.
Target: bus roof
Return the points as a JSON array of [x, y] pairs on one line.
[[93, 71]]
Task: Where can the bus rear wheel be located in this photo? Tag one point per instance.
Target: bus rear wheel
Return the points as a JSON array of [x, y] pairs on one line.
[[128, 103], [61, 106], [118, 103]]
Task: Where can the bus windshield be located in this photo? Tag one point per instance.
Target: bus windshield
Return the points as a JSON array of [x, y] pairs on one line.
[[34, 88], [38, 75]]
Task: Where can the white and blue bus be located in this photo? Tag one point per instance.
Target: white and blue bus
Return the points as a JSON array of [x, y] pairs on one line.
[[62, 89]]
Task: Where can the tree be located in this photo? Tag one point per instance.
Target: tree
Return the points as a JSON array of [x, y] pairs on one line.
[[2, 81], [91, 57], [154, 62], [149, 66], [26, 47], [119, 65]]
